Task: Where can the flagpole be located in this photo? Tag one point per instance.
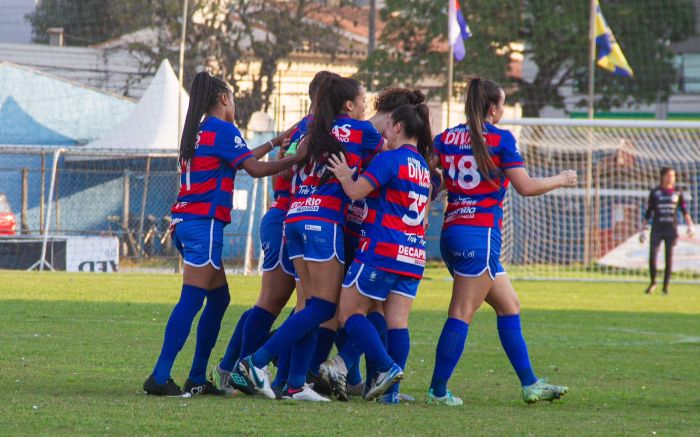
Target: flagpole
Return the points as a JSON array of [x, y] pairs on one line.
[[450, 64], [591, 58], [587, 240]]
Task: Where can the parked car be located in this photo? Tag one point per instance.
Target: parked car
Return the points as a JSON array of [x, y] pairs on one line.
[[8, 222]]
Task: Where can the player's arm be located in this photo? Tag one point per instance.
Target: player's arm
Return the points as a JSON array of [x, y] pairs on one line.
[[686, 215], [258, 169], [528, 186], [651, 206], [277, 141], [355, 190]]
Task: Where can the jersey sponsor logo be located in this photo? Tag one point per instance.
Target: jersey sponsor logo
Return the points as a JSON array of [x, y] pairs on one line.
[[308, 205], [316, 228], [411, 255], [346, 134], [357, 212], [239, 143], [458, 137], [418, 172]]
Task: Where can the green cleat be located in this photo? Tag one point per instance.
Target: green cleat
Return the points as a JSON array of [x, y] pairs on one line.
[[449, 399], [222, 380], [543, 391]]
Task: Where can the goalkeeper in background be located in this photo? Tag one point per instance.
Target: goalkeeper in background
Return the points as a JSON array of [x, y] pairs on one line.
[[664, 201]]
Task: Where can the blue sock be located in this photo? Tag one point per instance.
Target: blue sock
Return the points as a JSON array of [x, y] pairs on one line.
[[256, 329], [294, 328], [284, 360], [323, 346], [302, 352], [233, 351], [177, 329], [347, 350], [449, 350], [367, 341], [208, 331], [354, 376], [399, 344], [511, 335], [377, 319]]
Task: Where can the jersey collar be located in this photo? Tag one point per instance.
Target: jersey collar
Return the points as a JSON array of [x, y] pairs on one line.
[[410, 147]]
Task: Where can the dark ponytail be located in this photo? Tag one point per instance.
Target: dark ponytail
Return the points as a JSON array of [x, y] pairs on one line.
[[416, 124], [393, 97], [332, 94], [204, 93], [481, 95]]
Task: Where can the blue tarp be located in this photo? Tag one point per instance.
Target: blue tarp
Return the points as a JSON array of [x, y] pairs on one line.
[[19, 128]]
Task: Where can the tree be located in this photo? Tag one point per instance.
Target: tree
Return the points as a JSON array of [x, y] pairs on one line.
[[88, 22], [555, 36], [413, 44], [238, 40]]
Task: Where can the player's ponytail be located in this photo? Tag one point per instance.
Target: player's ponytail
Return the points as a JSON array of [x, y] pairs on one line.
[[481, 95], [204, 94], [330, 99], [416, 124]]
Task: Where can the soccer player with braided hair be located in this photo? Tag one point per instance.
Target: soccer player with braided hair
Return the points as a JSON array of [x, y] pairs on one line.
[[211, 152]]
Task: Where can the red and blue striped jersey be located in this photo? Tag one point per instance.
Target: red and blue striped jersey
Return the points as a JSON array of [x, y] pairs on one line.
[[206, 181], [471, 199], [395, 242], [282, 187], [328, 202]]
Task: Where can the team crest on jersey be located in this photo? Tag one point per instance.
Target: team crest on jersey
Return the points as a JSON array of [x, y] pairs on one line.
[[239, 142]]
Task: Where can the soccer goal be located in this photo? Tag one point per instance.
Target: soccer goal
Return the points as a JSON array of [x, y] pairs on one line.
[[591, 232]]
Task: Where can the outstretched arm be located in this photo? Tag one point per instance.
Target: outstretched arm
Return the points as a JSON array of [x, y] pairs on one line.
[[528, 186]]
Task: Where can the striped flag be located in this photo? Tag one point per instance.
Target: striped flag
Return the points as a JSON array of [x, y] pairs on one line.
[[458, 30], [610, 56]]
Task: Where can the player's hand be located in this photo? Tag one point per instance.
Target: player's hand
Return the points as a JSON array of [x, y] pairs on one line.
[[284, 147], [339, 167], [569, 178], [643, 237], [691, 231]]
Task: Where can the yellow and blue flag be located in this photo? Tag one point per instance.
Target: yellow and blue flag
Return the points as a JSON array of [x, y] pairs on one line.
[[610, 56]]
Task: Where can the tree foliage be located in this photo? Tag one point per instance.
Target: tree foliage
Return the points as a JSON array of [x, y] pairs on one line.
[[238, 40], [413, 47], [88, 22]]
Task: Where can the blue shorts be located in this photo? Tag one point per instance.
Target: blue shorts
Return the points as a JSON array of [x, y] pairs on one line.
[[200, 241], [471, 250], [377, 284], [315, 240], [272, 242]]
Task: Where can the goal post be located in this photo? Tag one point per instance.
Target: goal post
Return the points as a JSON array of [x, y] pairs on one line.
[[591, 231]]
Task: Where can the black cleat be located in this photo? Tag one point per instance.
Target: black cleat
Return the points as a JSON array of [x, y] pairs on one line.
[[319, 384], [208, 388], [665, 290], [240, 382], [151, 387]]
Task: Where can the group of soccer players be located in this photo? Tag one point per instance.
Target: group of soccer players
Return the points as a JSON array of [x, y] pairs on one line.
[[346, 230]]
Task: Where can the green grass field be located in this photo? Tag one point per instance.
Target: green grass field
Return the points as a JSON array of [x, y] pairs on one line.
[[75, 349]]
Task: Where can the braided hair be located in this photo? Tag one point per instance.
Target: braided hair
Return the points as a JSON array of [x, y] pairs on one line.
[[204, 94]]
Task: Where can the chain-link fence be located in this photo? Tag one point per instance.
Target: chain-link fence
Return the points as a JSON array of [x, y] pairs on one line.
[[115, 196]]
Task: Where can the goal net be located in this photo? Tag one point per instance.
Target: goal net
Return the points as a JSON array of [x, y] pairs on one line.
[[592, 231]]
